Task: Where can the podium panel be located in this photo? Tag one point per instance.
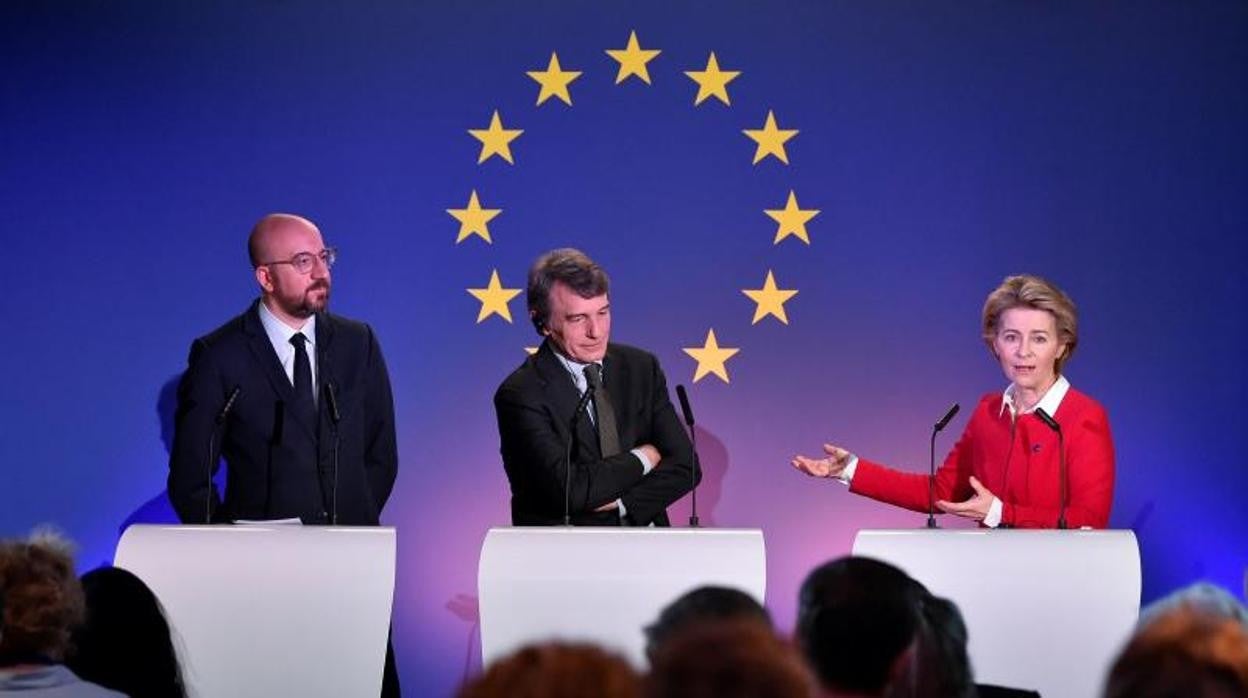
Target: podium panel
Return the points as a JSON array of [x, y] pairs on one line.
[[602, 585], [271, 610], [1046, 610]]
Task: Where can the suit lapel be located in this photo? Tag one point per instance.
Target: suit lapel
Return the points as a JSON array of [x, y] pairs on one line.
[[325, 369]]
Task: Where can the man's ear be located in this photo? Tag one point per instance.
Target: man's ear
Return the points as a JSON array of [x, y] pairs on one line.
[[264, 277], [541, 326]]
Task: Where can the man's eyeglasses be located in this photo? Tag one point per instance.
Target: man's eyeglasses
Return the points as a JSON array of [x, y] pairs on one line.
[[304, 261]]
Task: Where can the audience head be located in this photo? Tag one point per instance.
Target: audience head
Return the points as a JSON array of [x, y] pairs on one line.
[[857, 625], [703, 604], [556, 670], [43, 600], [944, 667], [1201, 596], [125, 643], [1185, 648], [728, 658]]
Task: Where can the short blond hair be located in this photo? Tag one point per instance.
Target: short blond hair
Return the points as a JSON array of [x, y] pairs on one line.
[[1027, 291]]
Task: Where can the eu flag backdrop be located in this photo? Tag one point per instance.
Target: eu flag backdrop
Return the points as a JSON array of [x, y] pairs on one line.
[[801, 206]]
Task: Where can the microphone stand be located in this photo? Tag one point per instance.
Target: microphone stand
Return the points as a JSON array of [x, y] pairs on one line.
[[1061, 447], [693, 491], [931, 464], [334, 417], [211, 459], [931, 482], [687, 411]]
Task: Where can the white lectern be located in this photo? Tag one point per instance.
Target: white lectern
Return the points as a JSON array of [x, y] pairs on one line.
[[271, 610], [602, 585], [1046, 610]]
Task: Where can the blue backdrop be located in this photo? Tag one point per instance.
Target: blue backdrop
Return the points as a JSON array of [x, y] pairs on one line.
[[945, 145]]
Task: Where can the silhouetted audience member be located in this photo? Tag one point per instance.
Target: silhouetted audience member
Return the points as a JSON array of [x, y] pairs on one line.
[[125, 643], [1184, 648], [556, 670], [732, 658], [857, 625], [43, 603], [944, 667], [699, 605]]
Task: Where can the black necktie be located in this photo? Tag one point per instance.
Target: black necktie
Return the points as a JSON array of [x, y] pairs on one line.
[[304, 401], [608, 434]]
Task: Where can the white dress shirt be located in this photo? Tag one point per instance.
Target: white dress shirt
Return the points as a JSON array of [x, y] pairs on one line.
[[279, 336]]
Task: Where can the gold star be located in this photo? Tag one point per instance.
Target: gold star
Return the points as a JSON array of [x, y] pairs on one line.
[[554, 81], [770, 139], [495, 140], [473, 220], [712, 81], [710, 357], [633, 60], [530, 350], [494, 298], [770, 300], [792, 220]]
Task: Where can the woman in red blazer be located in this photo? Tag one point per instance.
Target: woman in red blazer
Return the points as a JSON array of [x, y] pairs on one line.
[[1005, 468]]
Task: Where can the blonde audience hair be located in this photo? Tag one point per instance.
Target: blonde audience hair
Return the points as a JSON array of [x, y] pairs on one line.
[[43, 600]]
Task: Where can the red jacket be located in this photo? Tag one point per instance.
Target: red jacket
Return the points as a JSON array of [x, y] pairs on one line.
[[1017, 460]]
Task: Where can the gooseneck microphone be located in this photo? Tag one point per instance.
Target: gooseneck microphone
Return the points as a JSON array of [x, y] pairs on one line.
[[693, 438], [567, 454], [931, 464], [211, 459], [1061, 447], [331, 401]]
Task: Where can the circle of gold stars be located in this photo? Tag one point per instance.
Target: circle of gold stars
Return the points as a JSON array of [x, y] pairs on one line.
[[633, 61]]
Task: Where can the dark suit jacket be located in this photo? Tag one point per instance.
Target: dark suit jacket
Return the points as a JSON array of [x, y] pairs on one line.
[[279, 464], [535, 406]]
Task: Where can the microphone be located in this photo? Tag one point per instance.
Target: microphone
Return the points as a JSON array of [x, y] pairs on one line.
[[944, 421], [931, 464], [229, 404], [211, 460], [567, 454], [331, 400], [693, 438], [1061, 447]]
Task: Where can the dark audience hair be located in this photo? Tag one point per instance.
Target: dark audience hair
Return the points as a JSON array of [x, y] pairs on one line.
[[43, 600], [700, 605], [944, 667], [556, 670], [570, 267], [1184, 650], [125, 643], [856, 617], [728, 658]]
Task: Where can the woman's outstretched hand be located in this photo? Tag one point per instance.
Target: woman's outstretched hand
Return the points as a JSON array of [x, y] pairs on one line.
[[832, 466]]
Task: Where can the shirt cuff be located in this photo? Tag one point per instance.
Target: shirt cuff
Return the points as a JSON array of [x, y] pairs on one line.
[[847, 475], [619, 503], [646, 465], [993, 519]]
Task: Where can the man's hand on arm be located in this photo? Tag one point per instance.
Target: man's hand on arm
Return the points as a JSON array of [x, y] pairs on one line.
[[650, 457]]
